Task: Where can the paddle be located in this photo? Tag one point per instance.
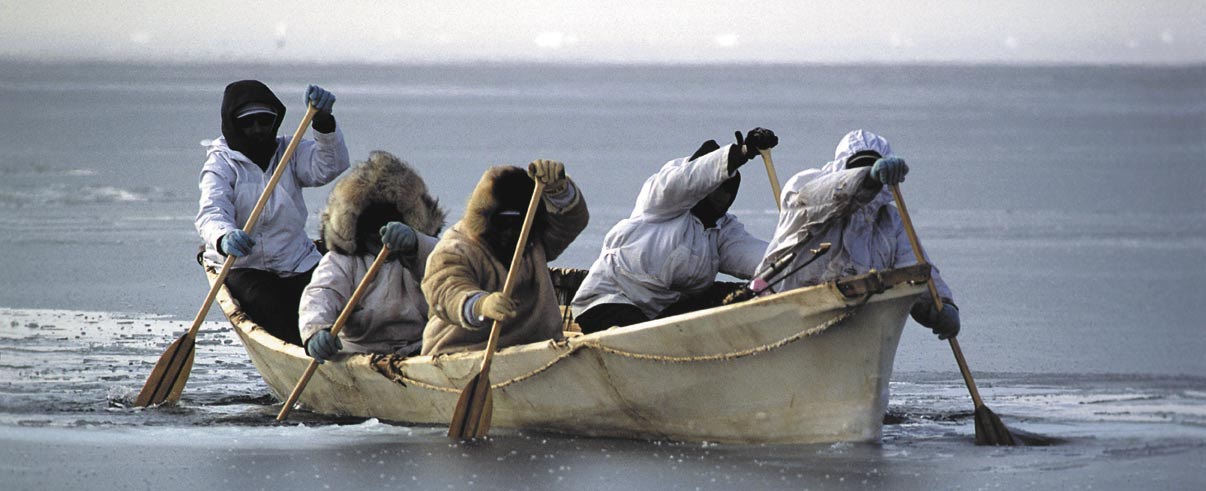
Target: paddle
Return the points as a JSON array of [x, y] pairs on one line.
[[989, 428], [770, 173], [171, 372], [339, 322], [475, 407]]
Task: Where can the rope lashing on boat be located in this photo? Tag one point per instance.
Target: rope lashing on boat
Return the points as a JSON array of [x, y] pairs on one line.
[[400, 378]]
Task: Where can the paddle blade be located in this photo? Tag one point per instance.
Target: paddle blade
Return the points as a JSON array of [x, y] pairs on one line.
[[483, 423], [170, 374], [990, 430], [473, 405]]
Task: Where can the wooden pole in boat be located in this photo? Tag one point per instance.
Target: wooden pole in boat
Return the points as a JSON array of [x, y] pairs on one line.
[[167, 379], [989, 428], [475, 407], [770, 173], [338, 326]]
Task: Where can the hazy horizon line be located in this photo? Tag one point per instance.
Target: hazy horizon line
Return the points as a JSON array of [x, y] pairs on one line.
[[31, 60]]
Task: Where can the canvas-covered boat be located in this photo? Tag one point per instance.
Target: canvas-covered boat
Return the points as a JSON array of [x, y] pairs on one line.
[[804, 366]]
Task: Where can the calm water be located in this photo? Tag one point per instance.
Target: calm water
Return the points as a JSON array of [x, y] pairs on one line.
[[1063, 205]]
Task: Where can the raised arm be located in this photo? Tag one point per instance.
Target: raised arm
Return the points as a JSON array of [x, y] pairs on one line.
[[567, 214], [319, 161]]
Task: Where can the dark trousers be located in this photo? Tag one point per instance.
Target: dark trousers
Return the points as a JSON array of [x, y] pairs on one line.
[[607, 315], [270, 300]]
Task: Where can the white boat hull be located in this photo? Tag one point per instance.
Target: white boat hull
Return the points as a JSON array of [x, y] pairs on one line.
[[804, 366]]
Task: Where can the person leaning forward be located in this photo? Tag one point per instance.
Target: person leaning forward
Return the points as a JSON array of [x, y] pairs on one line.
[[666, 254], [467, 270], [275, 261], [848, 203], [381, 201]]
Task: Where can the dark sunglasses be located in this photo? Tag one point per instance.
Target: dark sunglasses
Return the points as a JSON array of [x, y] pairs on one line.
[[506, 221], [263, 119]]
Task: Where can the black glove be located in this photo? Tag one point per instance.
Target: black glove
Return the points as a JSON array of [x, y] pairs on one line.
[[755, 140], [747, 148]]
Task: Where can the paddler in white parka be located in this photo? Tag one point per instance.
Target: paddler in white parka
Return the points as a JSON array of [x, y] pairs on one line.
[[679, 236], [275, 260], [380, 201], [848, 203], [467, 270]]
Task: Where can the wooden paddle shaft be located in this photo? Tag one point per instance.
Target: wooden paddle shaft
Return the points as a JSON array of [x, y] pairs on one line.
[[512, 275], [770, 173], [475, 406], [338, 326], [908, 223], [255, 216]]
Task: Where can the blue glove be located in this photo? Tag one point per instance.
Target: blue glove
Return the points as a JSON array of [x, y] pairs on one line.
[[323, 345], [320, 98], [889, 170], [945, 324], [236, 243], [400, 238]]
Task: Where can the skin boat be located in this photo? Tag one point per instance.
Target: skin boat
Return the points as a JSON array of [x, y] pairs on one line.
[[810, 365]]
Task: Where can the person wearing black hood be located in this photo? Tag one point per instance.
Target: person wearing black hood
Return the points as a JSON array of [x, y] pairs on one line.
[[677, 238], [276, 260]]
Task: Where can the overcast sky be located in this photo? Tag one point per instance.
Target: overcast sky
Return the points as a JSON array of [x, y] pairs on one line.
[[978, 31]]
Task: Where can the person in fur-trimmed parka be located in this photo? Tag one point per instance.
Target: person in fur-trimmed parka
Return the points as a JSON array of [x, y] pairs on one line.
[[381, 200], [467, 270]]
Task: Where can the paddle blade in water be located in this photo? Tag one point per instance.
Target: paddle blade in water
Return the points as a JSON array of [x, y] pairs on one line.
[[170, 374], [473, 405], [990, 430]]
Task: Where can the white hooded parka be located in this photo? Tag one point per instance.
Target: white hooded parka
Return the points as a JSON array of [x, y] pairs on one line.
[[662, 252], [830, 205], [390, 316], [231, 184]]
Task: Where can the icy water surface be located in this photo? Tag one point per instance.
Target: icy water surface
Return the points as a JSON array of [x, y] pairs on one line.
[[66, 390], [1063, 205]]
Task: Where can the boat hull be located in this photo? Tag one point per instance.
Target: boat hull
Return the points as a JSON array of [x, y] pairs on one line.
[[805, 366]]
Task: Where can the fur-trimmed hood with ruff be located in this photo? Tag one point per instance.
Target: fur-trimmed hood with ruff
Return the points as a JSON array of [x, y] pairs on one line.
[[501, 187], [383, 178], [464, 265]]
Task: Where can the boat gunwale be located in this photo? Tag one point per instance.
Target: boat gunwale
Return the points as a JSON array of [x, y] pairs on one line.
[[873, 283]]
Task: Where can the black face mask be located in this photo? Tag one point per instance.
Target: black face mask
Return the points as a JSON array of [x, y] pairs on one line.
[[503, 235], [512, 192], [716, 204], [259, 129], [864, 158], [259, 146], [368, 226]]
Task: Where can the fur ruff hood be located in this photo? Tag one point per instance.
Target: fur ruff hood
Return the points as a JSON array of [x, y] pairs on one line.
[[382, 179], [502, 186]]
